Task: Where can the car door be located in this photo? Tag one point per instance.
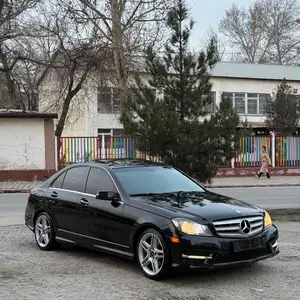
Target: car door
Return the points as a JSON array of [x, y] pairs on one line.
[[101, 221], [63, 200]]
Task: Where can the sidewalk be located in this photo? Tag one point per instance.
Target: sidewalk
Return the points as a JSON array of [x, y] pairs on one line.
[[18, 186], [231, 182], [237, 182]]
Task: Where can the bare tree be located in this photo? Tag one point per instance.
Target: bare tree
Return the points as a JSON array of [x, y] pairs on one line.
[[69, 53], [12, 26], [128, 26], [267, 32], [220, 46], [279, 22], [244, 30]]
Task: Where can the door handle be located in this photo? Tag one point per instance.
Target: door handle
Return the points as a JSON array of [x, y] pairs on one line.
[[54, 194], [84, 202]]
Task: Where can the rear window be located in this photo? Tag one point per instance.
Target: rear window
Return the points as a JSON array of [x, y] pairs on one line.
[[142, 180]]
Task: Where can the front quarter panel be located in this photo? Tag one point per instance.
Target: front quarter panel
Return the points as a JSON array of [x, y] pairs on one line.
[[141, 220]]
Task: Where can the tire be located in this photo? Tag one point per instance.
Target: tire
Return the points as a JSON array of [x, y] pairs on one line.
[[44, 232], [153, 255]]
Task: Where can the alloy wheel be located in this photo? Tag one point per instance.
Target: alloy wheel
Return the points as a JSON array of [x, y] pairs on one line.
[[151, 254], [43, 231]]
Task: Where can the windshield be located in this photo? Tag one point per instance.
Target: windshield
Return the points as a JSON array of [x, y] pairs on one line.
[[154, 180]]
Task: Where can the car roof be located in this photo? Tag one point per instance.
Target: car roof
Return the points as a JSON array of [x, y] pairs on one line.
[[123, 163]]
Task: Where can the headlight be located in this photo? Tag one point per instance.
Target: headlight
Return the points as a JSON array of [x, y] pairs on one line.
[[191, 227], [268, 220]]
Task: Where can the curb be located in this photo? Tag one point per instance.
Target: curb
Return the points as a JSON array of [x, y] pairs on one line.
[[252, 185], [284, 211], [10, 191]]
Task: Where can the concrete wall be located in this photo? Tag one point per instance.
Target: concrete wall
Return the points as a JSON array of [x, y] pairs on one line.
[[22, 144]]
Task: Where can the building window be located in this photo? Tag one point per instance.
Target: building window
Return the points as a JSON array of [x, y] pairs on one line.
[[210, 108], [109, 100], [111, 132], [239, 103], [118, 132], [116, 100], [252, 104], [262, 103], [102, 131], [104, 100], [248, 104]]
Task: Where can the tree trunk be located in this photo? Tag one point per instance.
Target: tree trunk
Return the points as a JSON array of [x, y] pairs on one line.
[[117, 10], [63, 116], [8, 77]]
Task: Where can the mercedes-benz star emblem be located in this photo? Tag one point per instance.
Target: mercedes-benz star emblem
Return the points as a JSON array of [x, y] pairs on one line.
[[245, 226]]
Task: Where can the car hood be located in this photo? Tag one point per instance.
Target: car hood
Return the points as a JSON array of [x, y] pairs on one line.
[[207, 206]]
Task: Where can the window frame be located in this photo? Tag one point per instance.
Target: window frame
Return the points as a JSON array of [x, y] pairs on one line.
[[84, 179], [108, 174], [55, 179], [232, 96], [211, 108], [101, 91], [257, 104]]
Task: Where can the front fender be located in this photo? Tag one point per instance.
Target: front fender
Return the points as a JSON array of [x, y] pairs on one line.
[[151, 221]]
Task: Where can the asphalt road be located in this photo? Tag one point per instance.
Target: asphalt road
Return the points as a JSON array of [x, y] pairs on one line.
[[265, 197], [12, 206], [27, 273]]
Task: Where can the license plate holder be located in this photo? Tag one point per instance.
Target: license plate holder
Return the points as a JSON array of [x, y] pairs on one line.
[[248, 244]]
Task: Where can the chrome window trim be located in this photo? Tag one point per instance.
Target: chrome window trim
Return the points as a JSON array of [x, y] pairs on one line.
[[81, 193], [87, 194]]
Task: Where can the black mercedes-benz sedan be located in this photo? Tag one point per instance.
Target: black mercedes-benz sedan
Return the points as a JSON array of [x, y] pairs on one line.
[[152, 213]]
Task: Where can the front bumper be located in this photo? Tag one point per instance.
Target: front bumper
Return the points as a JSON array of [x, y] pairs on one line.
[[215, 252]]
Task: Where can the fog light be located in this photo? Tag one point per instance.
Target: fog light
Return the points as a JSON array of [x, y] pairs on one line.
[[275, 246]]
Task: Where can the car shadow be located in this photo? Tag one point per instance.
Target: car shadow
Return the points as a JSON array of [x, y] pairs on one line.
[[181, 277]]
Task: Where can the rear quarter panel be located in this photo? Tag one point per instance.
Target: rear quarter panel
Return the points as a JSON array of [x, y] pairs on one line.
[[36, 202]]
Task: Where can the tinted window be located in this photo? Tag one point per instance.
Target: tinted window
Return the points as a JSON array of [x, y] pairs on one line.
[[58, 181], [142, 180], [98, 180], [74, 179]]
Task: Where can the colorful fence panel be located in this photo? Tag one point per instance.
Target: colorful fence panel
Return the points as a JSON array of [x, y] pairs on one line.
[[78, 149], [85, 149], [250, 150], [288, 151]]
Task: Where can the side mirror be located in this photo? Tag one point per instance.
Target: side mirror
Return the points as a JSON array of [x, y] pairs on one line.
[[108, 195]]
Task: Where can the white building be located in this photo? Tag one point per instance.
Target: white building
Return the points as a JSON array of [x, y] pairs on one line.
[[97, 112]]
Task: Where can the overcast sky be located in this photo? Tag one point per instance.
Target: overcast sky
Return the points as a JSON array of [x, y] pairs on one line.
[[208, 13]]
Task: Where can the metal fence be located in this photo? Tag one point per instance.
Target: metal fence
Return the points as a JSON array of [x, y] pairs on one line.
[[287, 151], [84, 149], [250, 150]]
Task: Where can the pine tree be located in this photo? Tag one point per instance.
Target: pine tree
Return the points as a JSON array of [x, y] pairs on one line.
[[173, 122], [282, 110]]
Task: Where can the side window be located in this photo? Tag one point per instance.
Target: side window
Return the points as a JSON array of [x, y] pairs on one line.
[[58, 181], [74, 179], [98, 180]]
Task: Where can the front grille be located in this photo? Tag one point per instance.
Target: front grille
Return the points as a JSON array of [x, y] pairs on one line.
[[232, 228]]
